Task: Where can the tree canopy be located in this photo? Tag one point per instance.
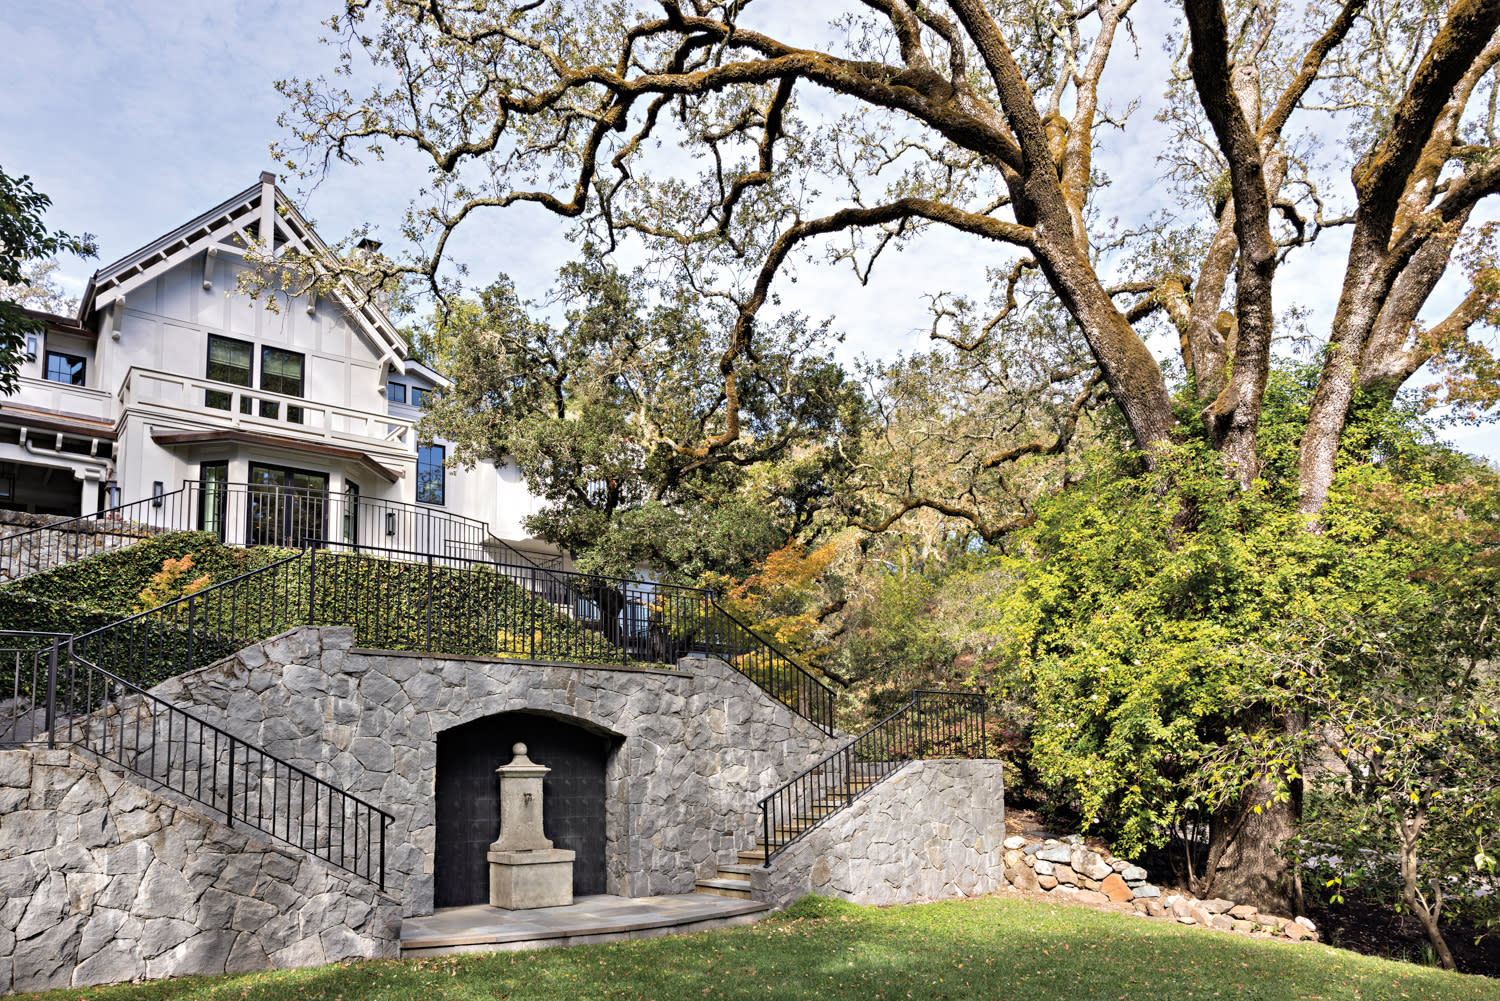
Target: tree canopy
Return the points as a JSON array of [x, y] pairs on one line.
[[595, 412], [25, 246]]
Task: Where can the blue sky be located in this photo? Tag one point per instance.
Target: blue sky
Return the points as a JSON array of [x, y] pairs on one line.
[[136, 116]]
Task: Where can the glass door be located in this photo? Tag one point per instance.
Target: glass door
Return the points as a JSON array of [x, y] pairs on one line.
[[213, 493], [286, 507]]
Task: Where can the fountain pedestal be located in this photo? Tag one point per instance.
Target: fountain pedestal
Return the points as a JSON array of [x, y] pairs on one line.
[[525, 870]]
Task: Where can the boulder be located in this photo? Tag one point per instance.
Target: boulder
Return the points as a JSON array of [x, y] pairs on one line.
[[1021, 877], [1047, 882], [1089, 863], [1218, 905], [1245, 912], [1043, 867], [1014, 843], [1056, 853], [1155, 909], [1145, 890], [1134, 874], [1116, 889], [1065, 875]]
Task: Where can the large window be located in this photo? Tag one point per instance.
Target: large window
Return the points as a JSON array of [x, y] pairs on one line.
[[430, 474], [396, 392], [67, 369], [280, 372], [419, 396], [229, 361]]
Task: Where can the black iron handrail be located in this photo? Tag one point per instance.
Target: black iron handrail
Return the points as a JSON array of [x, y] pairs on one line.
[[452, 605], [122, 723], [91, 708], [932, 724], [627, 620], [252, 514]]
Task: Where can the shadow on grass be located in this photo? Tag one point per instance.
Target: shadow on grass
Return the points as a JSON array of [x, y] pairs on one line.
[[992, 948]]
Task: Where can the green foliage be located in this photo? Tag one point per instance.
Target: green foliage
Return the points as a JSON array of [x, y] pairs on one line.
[[24, 239], [606, 414], [112, 582]]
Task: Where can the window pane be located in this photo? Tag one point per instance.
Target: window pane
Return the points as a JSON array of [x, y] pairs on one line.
[[228, 360], [63, 368], [396, 392], [268, 409], [216, 399], [419, 396], [281, 371], [430, 474]]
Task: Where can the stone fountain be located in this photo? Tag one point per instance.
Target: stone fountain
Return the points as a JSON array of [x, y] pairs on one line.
[[525, 870]]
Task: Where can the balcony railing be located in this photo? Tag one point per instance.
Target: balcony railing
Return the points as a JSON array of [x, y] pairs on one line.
[[63, 398], [257, 409]]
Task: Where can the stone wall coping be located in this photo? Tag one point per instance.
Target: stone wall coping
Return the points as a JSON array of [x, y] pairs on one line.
[[517, 661]]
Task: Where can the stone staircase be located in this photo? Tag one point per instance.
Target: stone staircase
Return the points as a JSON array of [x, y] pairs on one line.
[[733, 880]]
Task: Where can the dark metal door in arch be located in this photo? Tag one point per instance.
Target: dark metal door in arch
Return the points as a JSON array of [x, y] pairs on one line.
[[468, 799]]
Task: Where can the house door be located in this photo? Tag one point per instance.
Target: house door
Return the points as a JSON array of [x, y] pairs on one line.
[[468, 799], [286, 507]]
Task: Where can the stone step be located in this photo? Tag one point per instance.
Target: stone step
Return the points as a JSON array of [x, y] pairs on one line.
[[730, 871], [738, 888]]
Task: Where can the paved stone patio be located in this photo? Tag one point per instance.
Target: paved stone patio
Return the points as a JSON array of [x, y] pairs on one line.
[[598, 918]]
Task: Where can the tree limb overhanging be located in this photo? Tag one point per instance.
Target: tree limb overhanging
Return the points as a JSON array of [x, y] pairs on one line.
[[978, 119]]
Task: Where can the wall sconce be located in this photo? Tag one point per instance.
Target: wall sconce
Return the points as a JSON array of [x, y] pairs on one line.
[[157, 489], [390, 523]]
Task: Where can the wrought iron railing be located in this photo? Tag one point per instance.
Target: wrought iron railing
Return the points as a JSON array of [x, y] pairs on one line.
[[28, 669], [451, 605], [51, 693], [930, 725], [249, 514]]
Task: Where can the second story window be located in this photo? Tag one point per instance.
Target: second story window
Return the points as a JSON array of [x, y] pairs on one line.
[[281, 372], [229, 361], [419, 396], [395, 392], [66, 369], [430, 474]]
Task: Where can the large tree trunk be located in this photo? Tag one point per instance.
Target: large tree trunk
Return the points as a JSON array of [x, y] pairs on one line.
[[1252, 869]]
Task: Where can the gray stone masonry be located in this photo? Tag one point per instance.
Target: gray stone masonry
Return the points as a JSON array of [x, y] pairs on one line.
[[39, 551], [696, 748], [102, 881], [933, 829]]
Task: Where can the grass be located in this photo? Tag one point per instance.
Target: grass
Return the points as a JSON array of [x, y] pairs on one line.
[[992, 948]]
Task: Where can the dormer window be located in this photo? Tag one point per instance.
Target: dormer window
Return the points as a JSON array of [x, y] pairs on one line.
[[66, 369], [395, 392]]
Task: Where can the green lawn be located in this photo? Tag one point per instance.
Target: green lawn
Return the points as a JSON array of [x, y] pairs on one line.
[[995, 948]]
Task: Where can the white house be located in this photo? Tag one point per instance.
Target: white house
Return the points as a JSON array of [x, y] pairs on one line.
[[193, 406]]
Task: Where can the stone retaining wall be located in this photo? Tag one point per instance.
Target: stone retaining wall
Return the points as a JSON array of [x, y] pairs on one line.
[[932, 830], [35, 551], [1071, 869], [102, 881], [697, 747]]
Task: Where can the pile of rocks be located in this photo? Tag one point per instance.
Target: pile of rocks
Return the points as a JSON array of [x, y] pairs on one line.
[[1069, 868]]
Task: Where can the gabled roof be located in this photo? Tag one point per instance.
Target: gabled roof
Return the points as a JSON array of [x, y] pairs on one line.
[[249, 216]]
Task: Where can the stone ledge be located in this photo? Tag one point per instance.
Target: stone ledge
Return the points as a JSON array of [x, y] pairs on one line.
[[517, 661]]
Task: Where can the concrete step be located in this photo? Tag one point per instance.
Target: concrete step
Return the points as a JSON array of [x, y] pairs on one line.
[[737, 888]]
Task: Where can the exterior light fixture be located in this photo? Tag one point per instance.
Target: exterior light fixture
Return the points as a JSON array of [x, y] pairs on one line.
[[157, 489], [390, 523]]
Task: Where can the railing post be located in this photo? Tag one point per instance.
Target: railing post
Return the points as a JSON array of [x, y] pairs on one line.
[[312, 586], [429, 604], [984, 730], [52, 695], [531, 600], [192, 622], [765, 831], [229, 798]]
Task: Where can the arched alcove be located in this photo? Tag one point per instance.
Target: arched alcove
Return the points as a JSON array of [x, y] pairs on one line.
[[468, 798]]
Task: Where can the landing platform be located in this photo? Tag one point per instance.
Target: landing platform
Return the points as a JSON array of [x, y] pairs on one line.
[[599, 918]]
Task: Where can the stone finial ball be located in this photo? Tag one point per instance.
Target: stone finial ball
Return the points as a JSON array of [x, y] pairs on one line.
[[519, 750]]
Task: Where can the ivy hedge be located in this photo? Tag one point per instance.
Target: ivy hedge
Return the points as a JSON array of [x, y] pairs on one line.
[[470, 610]]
